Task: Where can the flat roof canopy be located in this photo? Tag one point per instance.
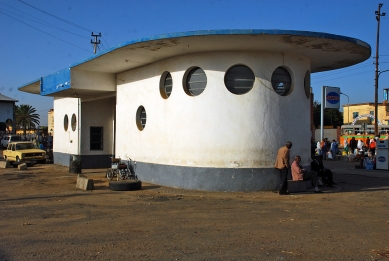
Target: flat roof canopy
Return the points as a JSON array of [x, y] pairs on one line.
[[326, 51]]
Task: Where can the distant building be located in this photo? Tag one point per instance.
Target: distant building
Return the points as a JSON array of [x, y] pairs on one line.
[[363, 113], [50, 122], [7, 112], [202, 110]]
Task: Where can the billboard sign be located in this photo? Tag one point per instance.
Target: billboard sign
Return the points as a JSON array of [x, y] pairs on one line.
[[332, 97]]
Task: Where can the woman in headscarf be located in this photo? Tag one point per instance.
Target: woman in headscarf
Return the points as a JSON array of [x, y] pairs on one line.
[[360, 145]]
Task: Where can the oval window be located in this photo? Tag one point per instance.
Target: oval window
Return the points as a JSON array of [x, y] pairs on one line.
[[66, 122], [141, 118], [281, 81], [74, 122], [239, 79], [166, 85], [195, 81]]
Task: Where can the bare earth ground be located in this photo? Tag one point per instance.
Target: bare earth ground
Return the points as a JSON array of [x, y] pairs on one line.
[[43, 216]]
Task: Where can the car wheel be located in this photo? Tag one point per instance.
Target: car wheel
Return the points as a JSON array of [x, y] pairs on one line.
[[43, 161]]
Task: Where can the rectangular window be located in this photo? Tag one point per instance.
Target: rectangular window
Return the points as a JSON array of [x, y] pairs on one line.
[[96, 138], [355, 114]]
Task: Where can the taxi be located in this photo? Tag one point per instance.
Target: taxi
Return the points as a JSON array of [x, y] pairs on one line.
[[24, 151]]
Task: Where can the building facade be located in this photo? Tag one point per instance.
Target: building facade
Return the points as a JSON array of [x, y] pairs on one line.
[[7, 113], [202, 110], [363, 113]]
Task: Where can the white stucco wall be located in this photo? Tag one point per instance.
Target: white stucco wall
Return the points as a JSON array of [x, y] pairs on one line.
[[65, 141], [217, 128]]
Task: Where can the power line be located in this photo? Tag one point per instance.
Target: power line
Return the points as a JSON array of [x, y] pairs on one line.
[[59, 18], [342, 77], [342, 71], [45, 32], [37, 20], [45, 23]]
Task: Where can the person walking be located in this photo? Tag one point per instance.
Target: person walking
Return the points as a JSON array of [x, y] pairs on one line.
[[324, 149], [353, 145], [283, 165], [334, 149]]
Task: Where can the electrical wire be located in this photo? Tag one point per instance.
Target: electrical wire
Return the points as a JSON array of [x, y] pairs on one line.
[[339, 72], [341, 77], [59, 18], [45, 32], [45, 23], [37, 20]]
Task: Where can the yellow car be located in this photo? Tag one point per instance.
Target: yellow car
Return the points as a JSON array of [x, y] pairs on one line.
[[24, 151]]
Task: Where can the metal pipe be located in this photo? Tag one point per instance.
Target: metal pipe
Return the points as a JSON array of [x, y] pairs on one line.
[[348, 108]]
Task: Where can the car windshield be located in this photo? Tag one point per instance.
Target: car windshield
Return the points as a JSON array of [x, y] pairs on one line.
[[25, 146]]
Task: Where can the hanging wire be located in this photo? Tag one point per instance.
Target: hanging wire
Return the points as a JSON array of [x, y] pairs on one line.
[[59, 18], [45, 32]]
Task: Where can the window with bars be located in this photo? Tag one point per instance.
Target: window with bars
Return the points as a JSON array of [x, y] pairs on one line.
[[141, 118], [195, 81], [281, 81], [166, 85], [239, 79], [96, 138]]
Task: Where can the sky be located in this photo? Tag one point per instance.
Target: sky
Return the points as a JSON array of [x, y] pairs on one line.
[[41, 37]]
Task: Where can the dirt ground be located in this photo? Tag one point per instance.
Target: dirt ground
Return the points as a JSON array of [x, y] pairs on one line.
[[43, 216]]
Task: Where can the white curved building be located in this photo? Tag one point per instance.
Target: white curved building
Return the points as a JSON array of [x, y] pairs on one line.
[[203, 110]]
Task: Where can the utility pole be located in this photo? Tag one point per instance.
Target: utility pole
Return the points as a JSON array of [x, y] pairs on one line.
[[378, 17], [95, 42]]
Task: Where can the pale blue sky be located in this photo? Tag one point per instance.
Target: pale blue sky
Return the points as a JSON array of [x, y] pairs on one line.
[[35, 43]]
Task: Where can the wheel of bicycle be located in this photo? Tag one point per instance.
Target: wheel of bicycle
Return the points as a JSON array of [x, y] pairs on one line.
[[109, 174], [122, 174]]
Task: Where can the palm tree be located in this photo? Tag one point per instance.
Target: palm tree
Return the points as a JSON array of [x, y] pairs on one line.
[[25, 117]]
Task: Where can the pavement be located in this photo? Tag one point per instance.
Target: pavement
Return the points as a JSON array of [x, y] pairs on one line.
[[344, 172]]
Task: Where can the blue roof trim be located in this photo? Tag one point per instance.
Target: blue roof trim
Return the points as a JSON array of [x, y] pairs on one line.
[[229, 32], [56, 82]]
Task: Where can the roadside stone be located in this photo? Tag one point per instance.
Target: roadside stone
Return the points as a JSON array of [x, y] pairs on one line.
[[84, 183], [22, 166], [4, 164]]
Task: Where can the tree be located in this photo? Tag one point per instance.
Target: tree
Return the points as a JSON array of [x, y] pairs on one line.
[[332, 117], [26, 117], [8, 124]]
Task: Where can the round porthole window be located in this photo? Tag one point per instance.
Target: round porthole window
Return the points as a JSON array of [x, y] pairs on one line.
[[74, 122], [195, 81], [239, 79], [281, 81], [166, 85], [66, 122], [307, 84], [141, 118]]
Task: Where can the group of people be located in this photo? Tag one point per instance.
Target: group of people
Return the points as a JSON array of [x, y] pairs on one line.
[[357, 145], [327, 149], [298, 172]]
